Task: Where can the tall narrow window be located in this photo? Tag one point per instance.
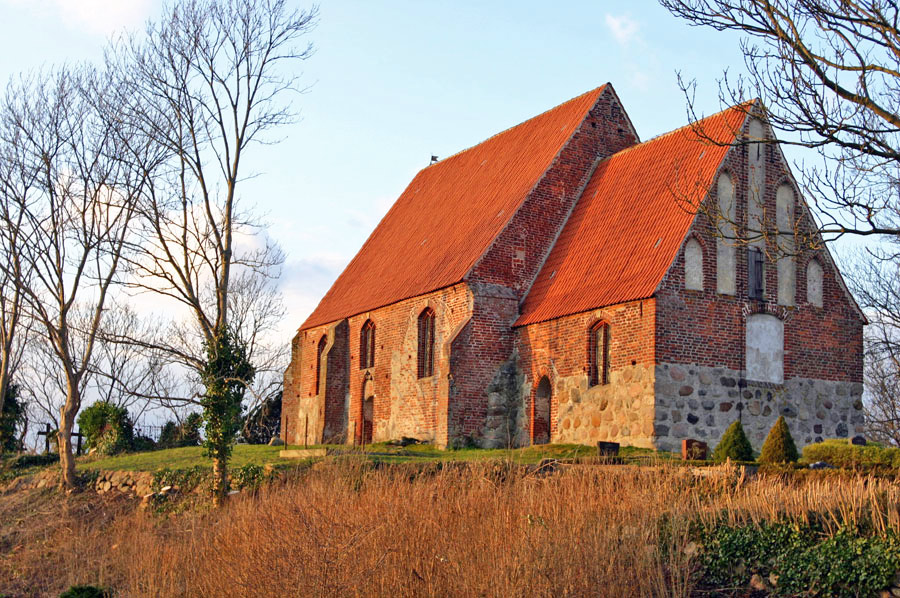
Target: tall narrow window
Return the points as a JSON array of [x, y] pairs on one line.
[[755, 269], [725, 237], [814, 283], [598, 353], [693, 265], [367, 345], [319, 351], [784, 219], [426, 343]]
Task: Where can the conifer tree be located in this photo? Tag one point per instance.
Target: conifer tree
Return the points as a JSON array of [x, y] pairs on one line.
[[734, 445], [779, 446]]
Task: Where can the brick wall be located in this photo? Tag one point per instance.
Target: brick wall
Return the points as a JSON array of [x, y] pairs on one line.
[[508, 268], [403, 405], [517, 254], [706, 328]]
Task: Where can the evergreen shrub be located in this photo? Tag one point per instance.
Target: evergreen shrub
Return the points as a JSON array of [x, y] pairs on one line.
[[779, 446], [734, 445]]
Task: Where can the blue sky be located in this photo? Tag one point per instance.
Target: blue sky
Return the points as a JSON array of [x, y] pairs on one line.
[[392, 83]]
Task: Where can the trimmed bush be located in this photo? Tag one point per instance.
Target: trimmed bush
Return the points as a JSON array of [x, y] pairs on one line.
[[107, 428], [734, 445], [841, 453], [779, 446]]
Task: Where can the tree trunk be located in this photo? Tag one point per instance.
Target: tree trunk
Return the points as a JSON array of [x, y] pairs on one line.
[[4, 377], [220, 481], [64, 437]]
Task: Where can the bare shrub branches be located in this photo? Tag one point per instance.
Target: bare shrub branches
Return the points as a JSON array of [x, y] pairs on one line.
[[828, 74]]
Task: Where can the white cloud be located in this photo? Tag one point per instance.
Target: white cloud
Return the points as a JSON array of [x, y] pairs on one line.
[[102, 17], [623, 28], [641, 80]]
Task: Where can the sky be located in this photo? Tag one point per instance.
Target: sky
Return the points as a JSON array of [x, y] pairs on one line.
[[392, 83]]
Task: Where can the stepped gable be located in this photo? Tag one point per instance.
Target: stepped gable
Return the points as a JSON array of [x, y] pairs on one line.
[[449, 215], [629, 224]]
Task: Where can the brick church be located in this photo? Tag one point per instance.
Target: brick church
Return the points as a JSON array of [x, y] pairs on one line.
[[565, 282]]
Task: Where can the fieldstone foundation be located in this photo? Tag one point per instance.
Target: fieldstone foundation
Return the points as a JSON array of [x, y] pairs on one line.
[[701, 402], [621, 411]]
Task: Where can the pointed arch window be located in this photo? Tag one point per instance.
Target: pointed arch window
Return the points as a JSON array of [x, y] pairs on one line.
[[320, 350], [598, 353], [367, 345], [426, 343]]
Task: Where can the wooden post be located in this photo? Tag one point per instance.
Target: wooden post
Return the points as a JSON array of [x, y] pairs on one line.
[[46, 435], [306, 431], [79, 436]]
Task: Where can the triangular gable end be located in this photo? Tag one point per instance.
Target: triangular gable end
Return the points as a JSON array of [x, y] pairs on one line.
[[755, 109], [626, 228], [605, 130]]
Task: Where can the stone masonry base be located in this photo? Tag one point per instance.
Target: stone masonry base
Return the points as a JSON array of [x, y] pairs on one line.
[[701, 402]]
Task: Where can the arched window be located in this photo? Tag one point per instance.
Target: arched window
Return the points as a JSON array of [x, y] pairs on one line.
[[814, 283], [540, 416], [319, 351], [426, 343], [367, 345], [784, 219], [725, 237], [756, 181], [598, 353], [693, 265]]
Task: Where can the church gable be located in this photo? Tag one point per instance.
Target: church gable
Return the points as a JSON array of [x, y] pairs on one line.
[[516, 255], [630, 222], [450, 214]]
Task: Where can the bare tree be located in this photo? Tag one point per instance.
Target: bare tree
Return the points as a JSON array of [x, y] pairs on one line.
[[123, 374], [12, 277], [828, 74], [207, 82], [75, 209]]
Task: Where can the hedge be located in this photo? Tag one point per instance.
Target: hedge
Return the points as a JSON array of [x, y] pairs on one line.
[[843, 454]]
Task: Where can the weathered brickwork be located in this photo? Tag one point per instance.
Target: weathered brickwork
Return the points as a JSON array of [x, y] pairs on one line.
[[682, 360], [402, 403], [517, 254]]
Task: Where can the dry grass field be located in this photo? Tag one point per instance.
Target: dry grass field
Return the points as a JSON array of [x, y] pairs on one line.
[[349, 529]]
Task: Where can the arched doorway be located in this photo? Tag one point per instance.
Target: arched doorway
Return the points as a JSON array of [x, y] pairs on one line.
[[540, 413], [368, 415], [367, 409]]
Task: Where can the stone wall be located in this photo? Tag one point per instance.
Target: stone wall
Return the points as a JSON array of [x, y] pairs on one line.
[[701, 402], [621, 411]]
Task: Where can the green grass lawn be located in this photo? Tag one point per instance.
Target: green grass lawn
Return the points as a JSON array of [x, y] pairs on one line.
[[183, 458]]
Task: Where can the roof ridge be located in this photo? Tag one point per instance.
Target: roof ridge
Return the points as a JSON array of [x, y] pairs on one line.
[[690, 125], [597, 90]]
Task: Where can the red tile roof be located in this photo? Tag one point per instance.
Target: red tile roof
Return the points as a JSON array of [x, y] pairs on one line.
[[449, 214], [628, 225]]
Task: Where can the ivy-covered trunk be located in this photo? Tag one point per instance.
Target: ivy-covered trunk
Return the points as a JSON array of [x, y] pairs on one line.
[[225, 377], [220, 480]]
